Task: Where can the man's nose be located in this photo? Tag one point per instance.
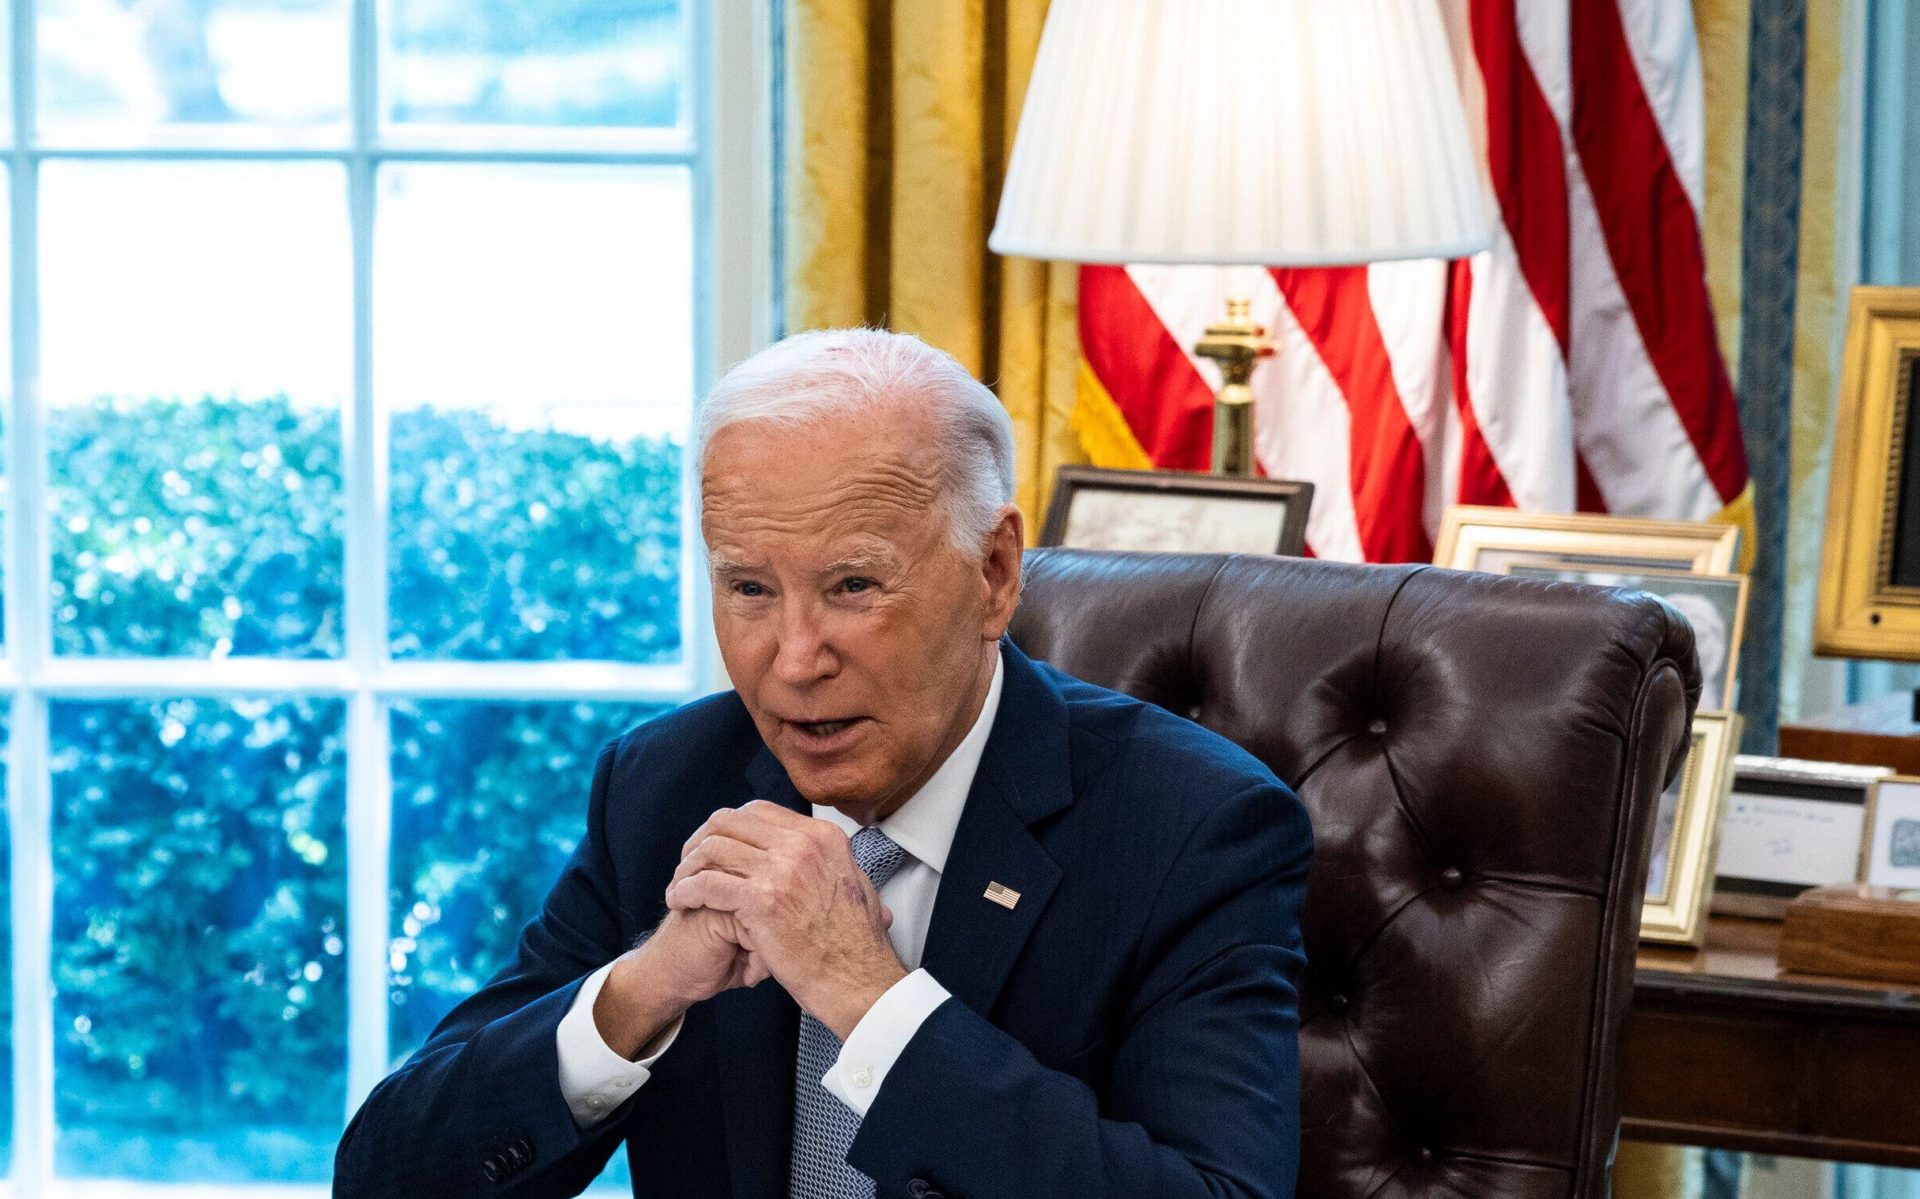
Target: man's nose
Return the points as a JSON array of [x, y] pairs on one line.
[[803, 654]]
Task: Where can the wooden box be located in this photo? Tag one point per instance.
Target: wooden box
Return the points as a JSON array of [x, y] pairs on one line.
[[1854, 931]]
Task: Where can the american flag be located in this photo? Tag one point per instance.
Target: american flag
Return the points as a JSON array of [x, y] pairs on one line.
[[1571, 366]]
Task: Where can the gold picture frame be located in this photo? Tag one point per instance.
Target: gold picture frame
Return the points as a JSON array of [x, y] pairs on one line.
[[1869, 599], [1492, 539], [1680, 867]]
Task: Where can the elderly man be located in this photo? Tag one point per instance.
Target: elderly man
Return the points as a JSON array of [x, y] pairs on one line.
[[905, 913]]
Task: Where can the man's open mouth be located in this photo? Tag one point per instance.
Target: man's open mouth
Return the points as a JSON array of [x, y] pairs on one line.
[[826, 728], [825, 731]]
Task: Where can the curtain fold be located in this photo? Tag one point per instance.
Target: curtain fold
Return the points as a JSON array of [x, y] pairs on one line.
[[899, 118]]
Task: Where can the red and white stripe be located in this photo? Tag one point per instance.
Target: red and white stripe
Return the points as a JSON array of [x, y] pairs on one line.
[[1573, 364]]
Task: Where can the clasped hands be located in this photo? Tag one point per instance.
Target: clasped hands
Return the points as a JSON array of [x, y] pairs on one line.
[[761, 892]]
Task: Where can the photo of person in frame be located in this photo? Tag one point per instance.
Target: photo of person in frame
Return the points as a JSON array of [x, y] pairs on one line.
[[1712, 604]]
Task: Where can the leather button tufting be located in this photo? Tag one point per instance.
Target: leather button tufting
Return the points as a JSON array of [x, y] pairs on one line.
[[1311, 665]]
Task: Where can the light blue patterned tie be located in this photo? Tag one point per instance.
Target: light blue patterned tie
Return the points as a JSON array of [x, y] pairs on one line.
[[823, 1127]]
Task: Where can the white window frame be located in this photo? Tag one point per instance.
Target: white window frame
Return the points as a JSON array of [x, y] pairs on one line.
[[727, 146]]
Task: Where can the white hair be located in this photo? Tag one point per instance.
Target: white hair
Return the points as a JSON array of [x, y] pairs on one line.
[[839, 372]]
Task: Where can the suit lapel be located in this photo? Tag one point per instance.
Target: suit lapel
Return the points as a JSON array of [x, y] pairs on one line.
[[1023, 777], [972, 941], [759, 1032]]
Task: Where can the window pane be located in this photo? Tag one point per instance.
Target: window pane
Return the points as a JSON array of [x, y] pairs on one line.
[[199, 917], [535, 62], [6, 351], [489, 799], [115, 70], [6, 958], [196, 323], [534, 347]]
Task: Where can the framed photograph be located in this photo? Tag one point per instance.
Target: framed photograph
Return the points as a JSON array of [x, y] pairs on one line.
[[1790, 825], [1715, 605], [1176, 511], [1685, 829], [1893, 843], [1493, 540], [1869, 599]]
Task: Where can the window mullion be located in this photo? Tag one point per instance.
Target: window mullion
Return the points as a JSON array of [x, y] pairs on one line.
[[364, 466], [29, 640], [369, 825], [733, 240]]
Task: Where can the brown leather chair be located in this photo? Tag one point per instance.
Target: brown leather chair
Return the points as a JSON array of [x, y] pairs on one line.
[[1481, 757]]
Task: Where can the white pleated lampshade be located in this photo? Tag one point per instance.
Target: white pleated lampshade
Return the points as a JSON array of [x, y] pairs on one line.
[[1275, 132]]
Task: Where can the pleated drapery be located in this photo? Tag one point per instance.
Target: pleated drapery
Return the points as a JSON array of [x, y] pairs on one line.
[[899, 118]]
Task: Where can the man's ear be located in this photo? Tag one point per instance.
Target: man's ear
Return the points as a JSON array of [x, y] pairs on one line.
[[1002, 571]]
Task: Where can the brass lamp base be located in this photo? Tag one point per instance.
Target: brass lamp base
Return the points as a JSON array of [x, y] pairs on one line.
[[1236, 343]]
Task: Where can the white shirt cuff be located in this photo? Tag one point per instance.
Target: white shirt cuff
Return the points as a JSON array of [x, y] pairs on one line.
[[880, 1038], [594, 1079]]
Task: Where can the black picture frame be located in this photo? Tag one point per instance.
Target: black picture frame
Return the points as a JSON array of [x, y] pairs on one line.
[[1176, 530]]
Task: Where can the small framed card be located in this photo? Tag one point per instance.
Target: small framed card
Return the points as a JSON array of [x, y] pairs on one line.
[[1789, 826], [1893, 842]]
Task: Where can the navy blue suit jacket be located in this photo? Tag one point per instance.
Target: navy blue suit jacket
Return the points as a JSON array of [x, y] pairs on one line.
[[1128, 1029]]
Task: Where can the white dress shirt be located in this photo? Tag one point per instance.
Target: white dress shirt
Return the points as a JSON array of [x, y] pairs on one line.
[[595, 1080]]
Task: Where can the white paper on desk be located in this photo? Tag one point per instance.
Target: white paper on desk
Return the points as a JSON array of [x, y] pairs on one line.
[[1776, 838]]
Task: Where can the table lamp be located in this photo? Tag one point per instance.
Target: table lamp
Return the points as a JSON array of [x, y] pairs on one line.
[[1237, 132]]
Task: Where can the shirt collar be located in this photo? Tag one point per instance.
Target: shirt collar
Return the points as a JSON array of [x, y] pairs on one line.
[[924, 825]]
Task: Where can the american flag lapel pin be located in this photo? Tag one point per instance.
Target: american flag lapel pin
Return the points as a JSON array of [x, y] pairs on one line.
[[1003, 895]]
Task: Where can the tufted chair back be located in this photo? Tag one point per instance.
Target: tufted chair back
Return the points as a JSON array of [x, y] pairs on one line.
[[1481, 758]]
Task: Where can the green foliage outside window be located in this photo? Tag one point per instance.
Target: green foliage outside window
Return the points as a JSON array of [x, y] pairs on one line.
[[215, 528], [479, 837], [204, 529], [198, 941], [531, 544]]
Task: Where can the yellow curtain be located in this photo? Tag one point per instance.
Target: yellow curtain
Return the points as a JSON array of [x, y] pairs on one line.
[[899, 120], [1642, 1170]]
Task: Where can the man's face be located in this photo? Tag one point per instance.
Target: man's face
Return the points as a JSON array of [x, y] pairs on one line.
[[859, 638]]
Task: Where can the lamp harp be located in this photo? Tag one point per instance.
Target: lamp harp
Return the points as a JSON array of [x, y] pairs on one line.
[[1236, 343]]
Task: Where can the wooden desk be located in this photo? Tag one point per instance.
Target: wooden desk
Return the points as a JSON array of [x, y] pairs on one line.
[[1725, 1050]]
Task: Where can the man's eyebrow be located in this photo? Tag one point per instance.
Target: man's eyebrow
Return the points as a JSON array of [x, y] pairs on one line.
[[874, 559], [720, 564]]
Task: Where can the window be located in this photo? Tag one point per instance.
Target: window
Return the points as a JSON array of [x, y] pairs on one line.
[[352, 351]]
